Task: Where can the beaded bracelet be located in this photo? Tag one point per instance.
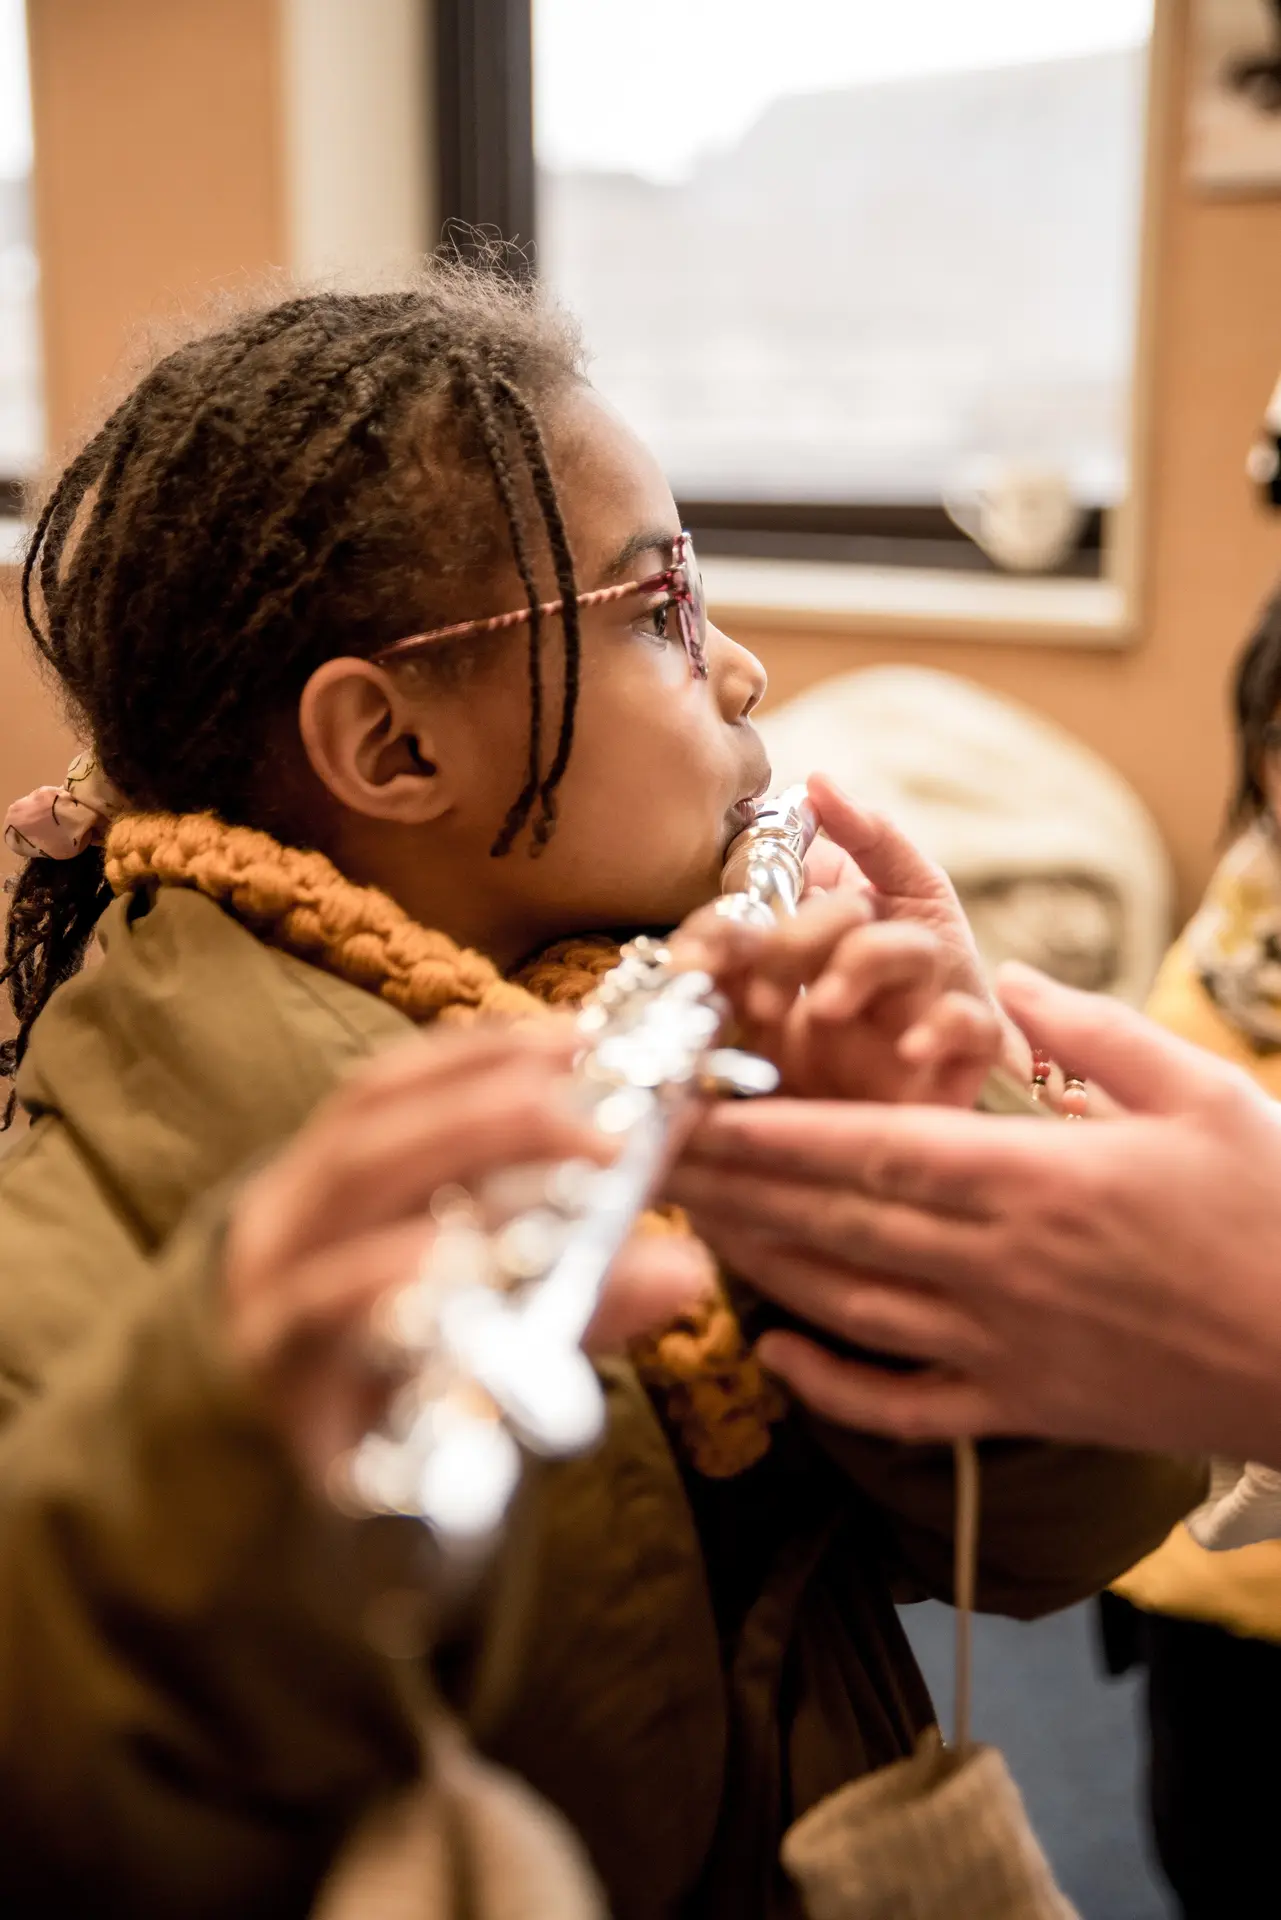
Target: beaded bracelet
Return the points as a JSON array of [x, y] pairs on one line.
[[1075, 1099]]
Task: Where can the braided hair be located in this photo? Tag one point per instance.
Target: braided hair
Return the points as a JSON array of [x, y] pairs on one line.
[[319, 477], [1256, 696]]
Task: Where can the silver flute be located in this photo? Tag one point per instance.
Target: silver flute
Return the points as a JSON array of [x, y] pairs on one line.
[[487, 1337]]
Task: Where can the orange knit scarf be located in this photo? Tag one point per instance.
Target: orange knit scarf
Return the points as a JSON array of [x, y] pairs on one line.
[[715, 1394]]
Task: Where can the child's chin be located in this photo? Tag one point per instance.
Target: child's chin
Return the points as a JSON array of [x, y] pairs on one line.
[[661, 909]]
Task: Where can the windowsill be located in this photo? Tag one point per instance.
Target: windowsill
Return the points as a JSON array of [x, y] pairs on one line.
[[825, 596]]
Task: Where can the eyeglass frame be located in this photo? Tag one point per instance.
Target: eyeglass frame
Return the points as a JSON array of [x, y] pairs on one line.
[[680, 580]]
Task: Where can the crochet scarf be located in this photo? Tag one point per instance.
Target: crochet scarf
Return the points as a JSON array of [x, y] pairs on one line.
[[1234, 939], [713, 1393]]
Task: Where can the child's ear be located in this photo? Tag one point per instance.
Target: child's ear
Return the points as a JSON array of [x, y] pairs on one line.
[[370, 745]]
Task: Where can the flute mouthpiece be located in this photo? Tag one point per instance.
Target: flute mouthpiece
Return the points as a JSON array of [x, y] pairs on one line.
[[788, 812]]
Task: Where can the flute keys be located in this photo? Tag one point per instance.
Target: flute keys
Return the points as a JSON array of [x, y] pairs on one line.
[[569, 1185], [544, 1386], [622, 1110], [466, 1481], [741, 1076], [526, 1247], [552, 1397], [378, 1476]]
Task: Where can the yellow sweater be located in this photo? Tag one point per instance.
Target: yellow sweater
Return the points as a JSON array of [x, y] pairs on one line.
[[1239, 1590]]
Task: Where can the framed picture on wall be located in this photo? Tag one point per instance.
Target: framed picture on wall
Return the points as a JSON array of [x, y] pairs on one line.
[[1234, 105]]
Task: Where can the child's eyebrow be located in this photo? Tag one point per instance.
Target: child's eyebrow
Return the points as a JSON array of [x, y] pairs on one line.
[[654, 540]]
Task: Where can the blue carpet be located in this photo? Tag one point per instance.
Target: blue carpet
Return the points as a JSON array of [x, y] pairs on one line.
[[1071, 1738]]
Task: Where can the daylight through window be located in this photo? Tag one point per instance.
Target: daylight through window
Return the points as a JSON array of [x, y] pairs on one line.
[[845, 252]]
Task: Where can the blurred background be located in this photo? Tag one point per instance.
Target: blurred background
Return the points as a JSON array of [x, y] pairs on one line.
[[859, 273], [952, 322]]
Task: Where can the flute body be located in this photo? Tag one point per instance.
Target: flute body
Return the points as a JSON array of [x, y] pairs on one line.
[[488, 1334]]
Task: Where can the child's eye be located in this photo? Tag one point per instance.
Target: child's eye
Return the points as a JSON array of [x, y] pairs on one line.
[[657, 622]]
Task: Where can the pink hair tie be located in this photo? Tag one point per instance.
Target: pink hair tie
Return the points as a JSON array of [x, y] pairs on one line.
[[57, 823]]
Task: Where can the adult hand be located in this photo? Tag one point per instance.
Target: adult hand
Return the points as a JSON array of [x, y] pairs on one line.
[[341, 1217], [1116, 1281], [864, 851], [876, 1019]]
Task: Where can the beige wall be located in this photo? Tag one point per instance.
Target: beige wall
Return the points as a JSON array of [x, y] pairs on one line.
[[158, 175], [160, 157], [159, 169]]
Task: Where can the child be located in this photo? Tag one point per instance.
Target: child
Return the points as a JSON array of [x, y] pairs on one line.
[[1211, 1622], [393, 657]]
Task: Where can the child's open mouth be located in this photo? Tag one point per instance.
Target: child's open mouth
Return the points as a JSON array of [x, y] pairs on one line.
[[743, 812]]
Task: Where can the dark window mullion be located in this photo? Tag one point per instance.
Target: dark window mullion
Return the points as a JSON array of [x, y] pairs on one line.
[[485, 117], [864, 534]]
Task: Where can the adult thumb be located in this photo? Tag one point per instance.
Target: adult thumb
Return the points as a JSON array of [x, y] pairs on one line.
[[884, 854], [1141, 1066]]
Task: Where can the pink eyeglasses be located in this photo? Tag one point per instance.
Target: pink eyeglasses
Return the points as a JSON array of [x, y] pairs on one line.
[[681, 582]]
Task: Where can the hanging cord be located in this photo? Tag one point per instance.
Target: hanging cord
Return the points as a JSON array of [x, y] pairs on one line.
[[964, 1577]]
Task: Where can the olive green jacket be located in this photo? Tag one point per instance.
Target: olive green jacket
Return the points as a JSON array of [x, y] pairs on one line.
[[191, 1716]]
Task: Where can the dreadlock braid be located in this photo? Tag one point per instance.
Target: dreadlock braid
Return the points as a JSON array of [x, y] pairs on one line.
[[46, 933], [317, 477], [540, 473], [496, 452]]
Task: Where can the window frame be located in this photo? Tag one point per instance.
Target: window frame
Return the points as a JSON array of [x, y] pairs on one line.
[[483, 76], [483, 82]]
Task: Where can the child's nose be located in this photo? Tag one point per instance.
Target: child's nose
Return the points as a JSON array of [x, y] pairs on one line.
[[740, 678]]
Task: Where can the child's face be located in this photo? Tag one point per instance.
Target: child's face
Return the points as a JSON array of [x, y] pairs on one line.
[[662, 762]]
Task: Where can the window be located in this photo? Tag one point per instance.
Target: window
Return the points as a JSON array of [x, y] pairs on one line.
[[21, 419], [837, 260]]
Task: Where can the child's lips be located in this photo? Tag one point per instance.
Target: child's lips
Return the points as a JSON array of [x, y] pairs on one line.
[[759, 791], [743, 812]]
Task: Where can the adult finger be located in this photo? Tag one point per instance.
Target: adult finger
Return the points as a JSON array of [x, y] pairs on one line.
[[801, 950], [886, 957], [954, 1025], [915, 1407], [960, 1039], [930, 1157], [749, 1222], [762, 969], [712, 942], [866, 1309], [884, 855], [828, 867], [751, 1231], [1140, 1065]]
